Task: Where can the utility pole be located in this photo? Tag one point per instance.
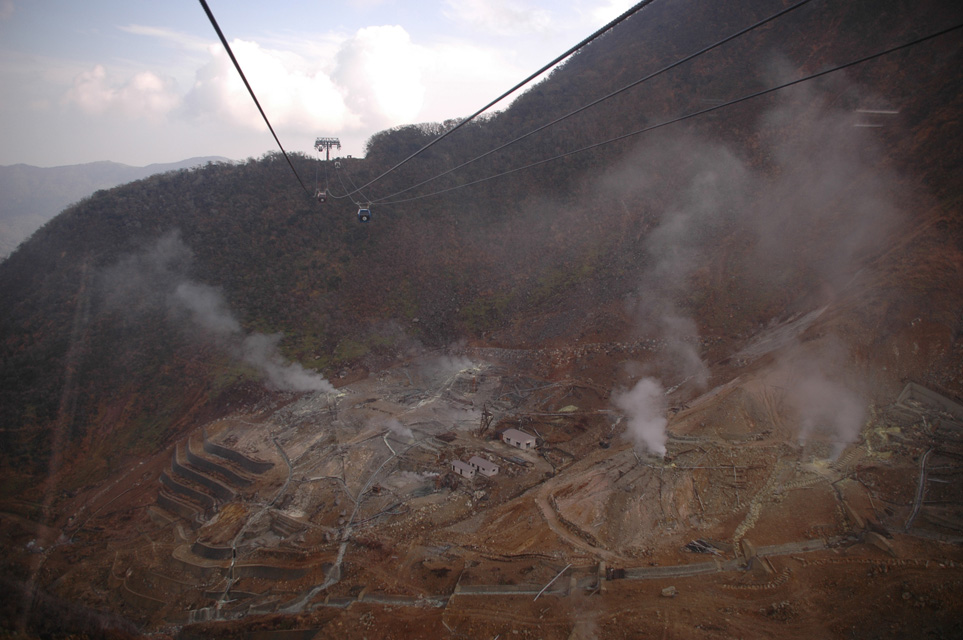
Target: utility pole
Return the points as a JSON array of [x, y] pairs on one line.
[[486, 421], [327, 144]]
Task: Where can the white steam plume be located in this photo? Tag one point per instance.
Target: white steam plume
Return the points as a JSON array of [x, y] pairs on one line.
[[800, 222], [824, 399], [645, 407], [155, 278], [399, 431]]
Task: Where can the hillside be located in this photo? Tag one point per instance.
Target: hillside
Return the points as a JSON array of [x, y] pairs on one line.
[[748, 291], [34, 195]]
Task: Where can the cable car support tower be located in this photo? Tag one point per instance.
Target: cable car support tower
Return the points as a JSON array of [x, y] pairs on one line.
[[327, 144]]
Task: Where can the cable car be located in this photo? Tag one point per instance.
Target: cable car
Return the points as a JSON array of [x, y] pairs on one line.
[[322, 195], [337, 164], [364, 214]]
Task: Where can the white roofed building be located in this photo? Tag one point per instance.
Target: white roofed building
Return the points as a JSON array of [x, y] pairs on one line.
[[483, 466], [463, 468], [519, 439]]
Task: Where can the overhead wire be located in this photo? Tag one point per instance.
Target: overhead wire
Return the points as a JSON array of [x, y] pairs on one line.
[[631, 85], [230, 53], [689, 116], [624, 16], [348, 193]]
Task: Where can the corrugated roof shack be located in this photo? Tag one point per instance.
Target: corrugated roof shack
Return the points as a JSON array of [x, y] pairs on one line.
[[483, 466], [519, 439], [463, 468]]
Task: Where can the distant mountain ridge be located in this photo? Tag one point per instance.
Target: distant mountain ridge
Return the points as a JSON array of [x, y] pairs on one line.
[[30, 196]]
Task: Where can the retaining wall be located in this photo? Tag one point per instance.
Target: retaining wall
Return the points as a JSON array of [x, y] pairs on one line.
[[206, 501], [675, 571], [213, 467], [248, 464], [509, 589], [219, 491], [574, 528], [930, 398], [285, 634], [269, 572], [200, 571], [211, 552], [186, 511], [285, 525], [280, 555]]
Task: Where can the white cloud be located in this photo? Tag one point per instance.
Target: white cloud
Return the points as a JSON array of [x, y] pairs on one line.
[[462, 78], [375, 80], [499, 17], [605, 12], [143, 95], [292, 92], [380, 72]]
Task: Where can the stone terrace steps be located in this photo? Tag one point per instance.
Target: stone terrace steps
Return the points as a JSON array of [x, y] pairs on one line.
[[251, 465]]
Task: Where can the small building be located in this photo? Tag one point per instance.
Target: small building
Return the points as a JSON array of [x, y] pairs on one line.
[[463, 468], [483, 466], [519, 439]]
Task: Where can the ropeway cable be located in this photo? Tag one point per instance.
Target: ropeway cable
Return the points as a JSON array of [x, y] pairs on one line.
[[689, 116], [240, 72], [348, 193], [518, 86], [681, 61]]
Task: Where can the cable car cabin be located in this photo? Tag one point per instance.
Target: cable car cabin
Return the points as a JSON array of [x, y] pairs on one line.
[[322, 195], [337, 164], [364, 215]]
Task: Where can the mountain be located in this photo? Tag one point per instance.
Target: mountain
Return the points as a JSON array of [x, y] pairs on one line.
[[736, 334], [34, 195]]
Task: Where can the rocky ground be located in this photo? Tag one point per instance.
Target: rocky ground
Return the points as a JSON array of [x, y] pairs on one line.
[[340, 512]]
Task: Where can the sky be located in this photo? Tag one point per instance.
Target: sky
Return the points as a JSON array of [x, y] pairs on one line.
[[141, 82]]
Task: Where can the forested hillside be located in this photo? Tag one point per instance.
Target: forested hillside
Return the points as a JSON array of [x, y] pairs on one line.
[[33, 195], [142, 307]]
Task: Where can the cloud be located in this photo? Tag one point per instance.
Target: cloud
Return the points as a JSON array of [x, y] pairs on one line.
[[499, 17], [349, 84], [605, 12], [373, 81], [463, 77], [379, 70], [292, 92], [6, 9], [143, 95]]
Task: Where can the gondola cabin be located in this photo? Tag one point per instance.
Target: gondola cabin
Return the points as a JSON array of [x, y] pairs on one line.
[[364, 215], [322, 195]]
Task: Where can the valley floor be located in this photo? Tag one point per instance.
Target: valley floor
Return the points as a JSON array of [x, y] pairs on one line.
[[301, 516]]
